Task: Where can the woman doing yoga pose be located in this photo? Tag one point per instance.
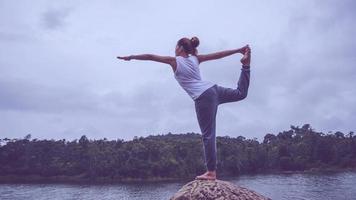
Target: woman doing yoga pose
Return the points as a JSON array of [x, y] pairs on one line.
[[206, 95]]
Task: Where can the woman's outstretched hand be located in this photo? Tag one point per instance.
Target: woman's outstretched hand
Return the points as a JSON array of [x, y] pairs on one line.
[[127, 58]]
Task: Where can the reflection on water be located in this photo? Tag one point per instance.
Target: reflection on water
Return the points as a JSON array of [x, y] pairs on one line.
[[337, 186]]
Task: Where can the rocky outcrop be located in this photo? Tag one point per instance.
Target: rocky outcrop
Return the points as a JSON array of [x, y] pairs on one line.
[[215, 190]]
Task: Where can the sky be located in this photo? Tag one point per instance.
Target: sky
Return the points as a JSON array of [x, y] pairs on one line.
[[60, 79]]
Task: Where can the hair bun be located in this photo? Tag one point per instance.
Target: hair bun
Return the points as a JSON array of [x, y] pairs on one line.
[[195, 42]]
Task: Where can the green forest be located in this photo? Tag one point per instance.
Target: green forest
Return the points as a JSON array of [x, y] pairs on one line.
[[175, 156]]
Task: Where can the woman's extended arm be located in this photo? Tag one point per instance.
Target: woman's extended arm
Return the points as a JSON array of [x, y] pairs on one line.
[[221, 54], [163, 59]]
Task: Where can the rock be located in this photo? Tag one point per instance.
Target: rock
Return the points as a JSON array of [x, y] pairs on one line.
[[217, 190]]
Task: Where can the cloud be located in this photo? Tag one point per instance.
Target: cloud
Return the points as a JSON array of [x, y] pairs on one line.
[[54, 19], [23, 95], [68, 84], [15, 37], [91, 112]]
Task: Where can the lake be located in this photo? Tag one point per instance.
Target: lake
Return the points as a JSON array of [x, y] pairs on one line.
[[316, 186]]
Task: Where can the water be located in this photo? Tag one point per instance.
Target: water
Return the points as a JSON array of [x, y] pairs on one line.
[[336, 186]]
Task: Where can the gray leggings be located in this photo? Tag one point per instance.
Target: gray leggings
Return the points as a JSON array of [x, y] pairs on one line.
[[206, 106]]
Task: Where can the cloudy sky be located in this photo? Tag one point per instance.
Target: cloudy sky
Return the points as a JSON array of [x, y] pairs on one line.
[[59, 77]]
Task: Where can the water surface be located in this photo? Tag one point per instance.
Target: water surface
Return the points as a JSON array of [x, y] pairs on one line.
[[333, 186]]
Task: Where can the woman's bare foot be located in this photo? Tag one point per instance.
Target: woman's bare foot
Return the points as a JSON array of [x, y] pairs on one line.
[[209, 175], [246, 59]]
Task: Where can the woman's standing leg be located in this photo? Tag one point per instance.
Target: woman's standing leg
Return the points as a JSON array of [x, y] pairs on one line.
[[206, 108]]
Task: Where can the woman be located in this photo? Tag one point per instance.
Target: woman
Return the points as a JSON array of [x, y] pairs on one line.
[[207, 96]]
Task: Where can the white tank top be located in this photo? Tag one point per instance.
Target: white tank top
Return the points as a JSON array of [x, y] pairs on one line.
[[188, 76]]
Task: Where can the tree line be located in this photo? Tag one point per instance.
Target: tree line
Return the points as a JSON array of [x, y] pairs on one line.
[[176, 155]]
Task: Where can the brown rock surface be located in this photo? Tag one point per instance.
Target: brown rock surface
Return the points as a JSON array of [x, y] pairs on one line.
[[217, 190]]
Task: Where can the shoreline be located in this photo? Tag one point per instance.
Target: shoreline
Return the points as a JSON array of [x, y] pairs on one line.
[[36, 179]]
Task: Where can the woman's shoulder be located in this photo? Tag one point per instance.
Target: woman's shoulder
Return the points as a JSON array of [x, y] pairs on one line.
[[194, 58]]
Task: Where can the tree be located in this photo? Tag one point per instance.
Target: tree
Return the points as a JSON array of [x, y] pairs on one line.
[[175, 155]]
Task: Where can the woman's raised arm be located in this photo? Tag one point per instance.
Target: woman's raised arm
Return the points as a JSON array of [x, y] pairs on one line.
[[221, 54]]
